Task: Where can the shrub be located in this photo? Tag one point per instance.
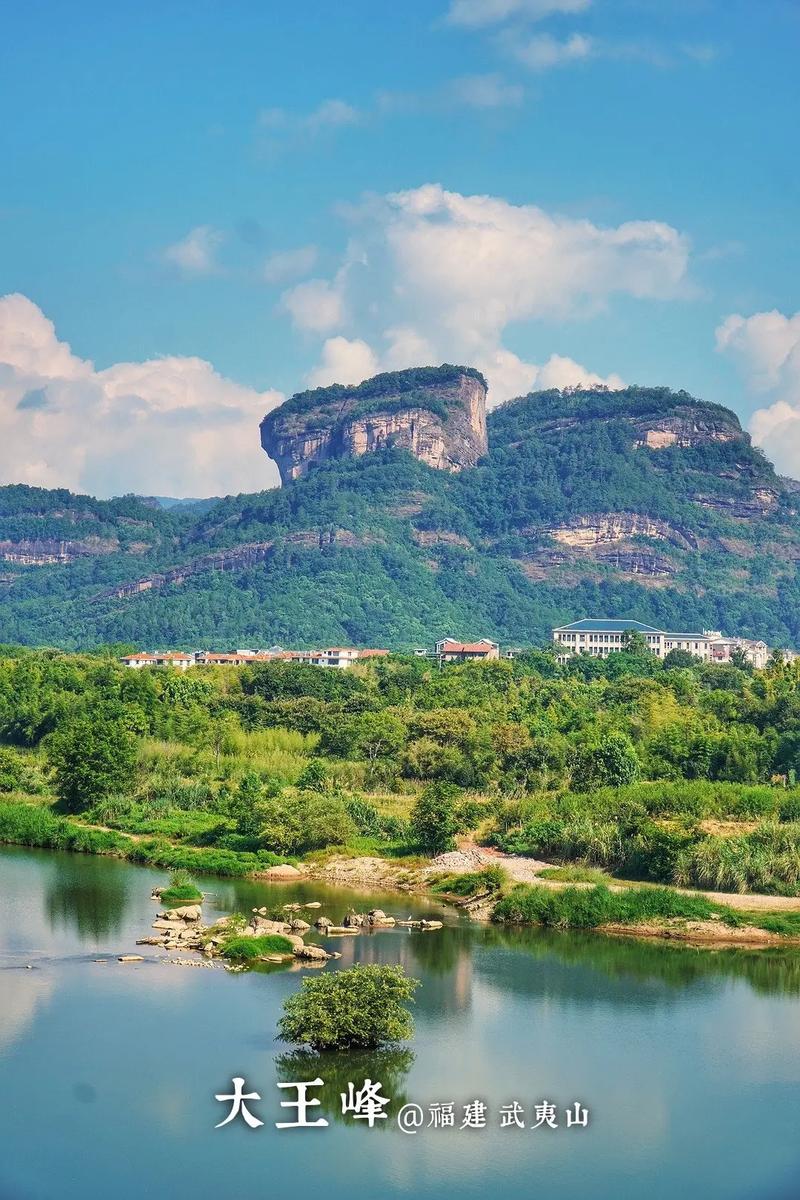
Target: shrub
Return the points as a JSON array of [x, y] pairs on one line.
[[490, 879], [181, 890], [360, 1008], [610, 763], [309, 821], [16, 772], [434, 818], [247, 949], [371, 822]]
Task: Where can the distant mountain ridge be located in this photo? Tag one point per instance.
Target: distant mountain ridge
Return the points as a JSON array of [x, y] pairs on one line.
[[642, 503]]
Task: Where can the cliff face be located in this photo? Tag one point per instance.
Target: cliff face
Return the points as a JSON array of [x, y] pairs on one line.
[[437, 413]]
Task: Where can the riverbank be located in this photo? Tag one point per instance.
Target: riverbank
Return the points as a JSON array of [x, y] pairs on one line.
[[517, 895]]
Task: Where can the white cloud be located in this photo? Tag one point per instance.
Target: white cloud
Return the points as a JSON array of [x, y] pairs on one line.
[[483, 92], [432, 276], [543, 51], [766, 346], [289, 264], [330, 114], [766, 349], [476, 14], [343, 361], [196, 253], [316, 306], [560, 372], [28, 342], [167, 426]]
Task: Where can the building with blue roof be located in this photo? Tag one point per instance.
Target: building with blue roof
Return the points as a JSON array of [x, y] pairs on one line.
[[600, 637]]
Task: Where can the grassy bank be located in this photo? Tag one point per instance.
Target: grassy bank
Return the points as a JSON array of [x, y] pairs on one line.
[[37, 826], [718, 836], [590, 908]]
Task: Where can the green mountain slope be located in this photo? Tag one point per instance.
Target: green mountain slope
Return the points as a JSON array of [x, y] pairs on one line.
[[641, 503]]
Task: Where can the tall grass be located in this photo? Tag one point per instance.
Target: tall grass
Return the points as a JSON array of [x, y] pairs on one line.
[[587, 908], [766, 860]]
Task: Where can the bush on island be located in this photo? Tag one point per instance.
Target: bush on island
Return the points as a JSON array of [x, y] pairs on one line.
[[357, 1009]]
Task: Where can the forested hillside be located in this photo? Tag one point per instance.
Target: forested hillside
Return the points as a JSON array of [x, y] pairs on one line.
[[642, 503]]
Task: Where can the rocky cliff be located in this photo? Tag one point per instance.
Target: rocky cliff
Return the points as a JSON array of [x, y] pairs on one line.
[[437, 413]]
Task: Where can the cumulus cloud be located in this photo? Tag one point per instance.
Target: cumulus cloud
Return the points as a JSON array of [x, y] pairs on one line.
[[289, 264], [477, 14], [316, 306], [166, 426], [344, 360], [430, 275], [196, 253], [766, 349]]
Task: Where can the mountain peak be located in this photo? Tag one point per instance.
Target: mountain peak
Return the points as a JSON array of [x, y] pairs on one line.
[[437, 413]]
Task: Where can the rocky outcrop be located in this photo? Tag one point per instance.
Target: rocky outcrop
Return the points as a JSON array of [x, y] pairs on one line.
[[638, 562], [436, 413], [236, 558], [38, 552], [685, 429], [593, 529], [761, 502]]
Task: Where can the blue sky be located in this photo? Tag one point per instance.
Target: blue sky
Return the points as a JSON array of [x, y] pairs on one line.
[[215, 204]]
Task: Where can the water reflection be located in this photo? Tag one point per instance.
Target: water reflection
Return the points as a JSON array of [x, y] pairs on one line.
[[667, 967], [389, 1066], [91, 905]]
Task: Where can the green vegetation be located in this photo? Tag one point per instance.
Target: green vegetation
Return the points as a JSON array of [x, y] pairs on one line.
[[575, 875], [248, 949], [681, 776], [374, 393], [434, 822], [181, 891], [472, 883], [92, 757], [382, 550], [587, 908], [357, 1009]]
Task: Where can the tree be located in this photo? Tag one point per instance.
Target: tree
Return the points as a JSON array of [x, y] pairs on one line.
[[434, 817], [634, 642], [379, 735], [357, 1009], [308, 821], [612, 762], [680, 658], [92, 758], [246, 807], [313, 777]]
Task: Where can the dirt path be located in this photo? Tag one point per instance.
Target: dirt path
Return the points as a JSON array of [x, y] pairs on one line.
[[470, 857]]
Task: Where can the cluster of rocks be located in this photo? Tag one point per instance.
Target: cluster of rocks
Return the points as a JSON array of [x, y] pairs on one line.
[[178, 929], [182, 929]]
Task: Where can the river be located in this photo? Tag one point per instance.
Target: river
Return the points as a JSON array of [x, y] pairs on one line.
[[687, 1060]]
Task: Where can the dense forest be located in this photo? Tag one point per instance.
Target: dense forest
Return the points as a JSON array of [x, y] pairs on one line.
[[383, 550]]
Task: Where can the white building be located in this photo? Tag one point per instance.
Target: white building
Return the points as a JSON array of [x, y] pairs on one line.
[[169, 658], [599, 638]]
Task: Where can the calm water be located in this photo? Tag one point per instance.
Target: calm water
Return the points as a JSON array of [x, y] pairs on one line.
[[688, 1060]]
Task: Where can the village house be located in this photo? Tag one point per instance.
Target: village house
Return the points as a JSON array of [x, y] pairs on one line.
[[449, 650], [338, 657], [170, 658], [600, 638]]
